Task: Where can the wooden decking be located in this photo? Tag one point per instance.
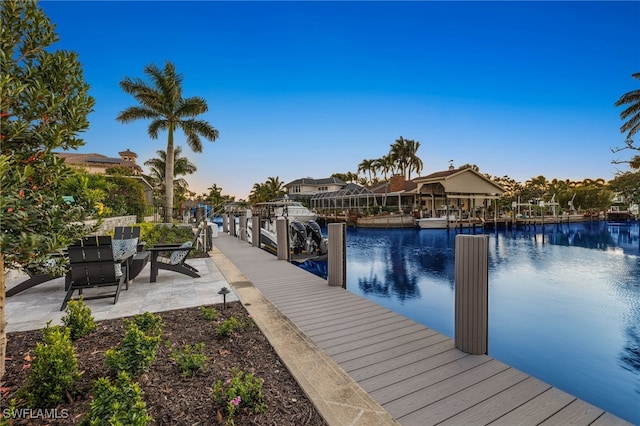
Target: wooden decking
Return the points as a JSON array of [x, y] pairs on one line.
[[415, 373]]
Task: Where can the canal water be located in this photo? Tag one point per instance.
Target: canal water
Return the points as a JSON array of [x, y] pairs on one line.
[[564, 300]]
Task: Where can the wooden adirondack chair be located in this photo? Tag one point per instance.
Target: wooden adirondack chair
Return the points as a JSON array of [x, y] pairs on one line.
[[176, 260], [92, 265]]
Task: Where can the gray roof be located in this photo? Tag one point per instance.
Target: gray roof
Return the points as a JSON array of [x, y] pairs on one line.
[[312, 181]]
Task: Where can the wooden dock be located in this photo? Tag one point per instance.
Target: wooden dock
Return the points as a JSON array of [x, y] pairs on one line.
[[415, 373]]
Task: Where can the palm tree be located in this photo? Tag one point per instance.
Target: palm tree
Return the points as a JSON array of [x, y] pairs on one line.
[[367, 166], [385, 165], [266, 191], [161, 101], [404, 154], [181, 167], [415, 163], [632, 112]]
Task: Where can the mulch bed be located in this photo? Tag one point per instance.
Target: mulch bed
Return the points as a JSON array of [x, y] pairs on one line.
[[172, 399]]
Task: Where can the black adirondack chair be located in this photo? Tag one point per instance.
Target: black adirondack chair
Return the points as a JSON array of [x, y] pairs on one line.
[[91, 266], [141, 258], [176, 261]]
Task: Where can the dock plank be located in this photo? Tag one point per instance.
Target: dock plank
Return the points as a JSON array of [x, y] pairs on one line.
[[500, 404], [371, 340], [465, 398], [442, 391], [576, 413], [399, 382], [389, 354], [536, 410], [419, 340], [402, 362]]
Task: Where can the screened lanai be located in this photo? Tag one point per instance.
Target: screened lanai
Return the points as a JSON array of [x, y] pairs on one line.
[[351, 197]]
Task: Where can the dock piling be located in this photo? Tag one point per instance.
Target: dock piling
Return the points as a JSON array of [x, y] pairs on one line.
[[232, 226], [472, 293], [255, 230], [243, 228], [282, 234], [337, 254]]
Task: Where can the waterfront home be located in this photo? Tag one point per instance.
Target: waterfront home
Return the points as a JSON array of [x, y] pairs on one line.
[[462, 190]]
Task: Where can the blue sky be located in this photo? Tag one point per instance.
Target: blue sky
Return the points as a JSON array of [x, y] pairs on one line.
[[307, 89]]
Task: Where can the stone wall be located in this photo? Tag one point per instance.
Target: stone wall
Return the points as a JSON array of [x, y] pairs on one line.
[[111, 222]]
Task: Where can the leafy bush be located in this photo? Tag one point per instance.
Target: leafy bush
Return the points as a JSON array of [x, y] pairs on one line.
[[162, 234], [78, 319], [190, 358], [227, 327], [119, 404], [135, 353], [240, 391], [149, 323], [210, 314], [54, 369]]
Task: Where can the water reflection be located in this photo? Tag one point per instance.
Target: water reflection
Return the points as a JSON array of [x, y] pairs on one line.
[[391, 273], [564, 299]]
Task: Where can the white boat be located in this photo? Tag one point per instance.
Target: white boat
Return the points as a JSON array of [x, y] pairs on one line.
[[292, 210], [435, 222], [444, 215]]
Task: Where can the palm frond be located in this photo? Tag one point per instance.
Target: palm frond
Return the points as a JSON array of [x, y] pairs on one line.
[[157, 126], [200, 127], [192, 107], [136, 112]]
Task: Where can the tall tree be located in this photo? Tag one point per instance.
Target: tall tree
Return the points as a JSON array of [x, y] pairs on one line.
[[215, 196], [367, 166], [161, 101], [404, 153], [44, 103], [272, 188]]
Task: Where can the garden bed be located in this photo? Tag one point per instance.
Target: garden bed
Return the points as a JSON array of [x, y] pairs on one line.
[[171, 398]]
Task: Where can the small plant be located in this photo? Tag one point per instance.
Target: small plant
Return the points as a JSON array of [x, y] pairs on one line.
[[135, 353], [120, 403], [148, 323], [227, 327], [53, 370], [210, 314], [78, 319], [190, 358], [240, 391]]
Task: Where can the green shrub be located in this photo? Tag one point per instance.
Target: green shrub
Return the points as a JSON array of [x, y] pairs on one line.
[[135, 353], [227, 327], [78, 319], [190, 358], [240, 391], [148, 323], [54, 369], [120, 404], [210, 314], [162, 234]]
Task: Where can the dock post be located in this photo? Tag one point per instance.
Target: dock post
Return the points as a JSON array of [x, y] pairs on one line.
[[472, 293], [232, 226], [282, 233], [243, 228], [337, 254], [255, 230], [225, 223]]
